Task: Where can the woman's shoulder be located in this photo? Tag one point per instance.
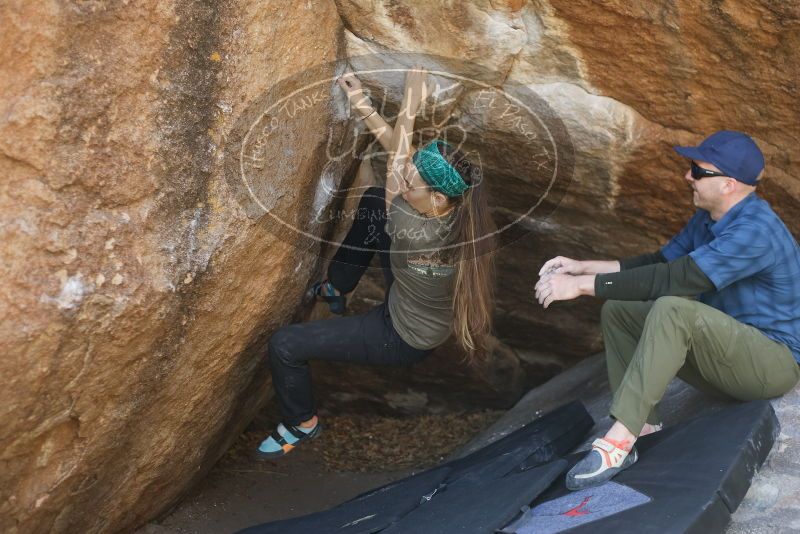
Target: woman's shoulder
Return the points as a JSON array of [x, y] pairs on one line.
[[400, 204], [403, 214]]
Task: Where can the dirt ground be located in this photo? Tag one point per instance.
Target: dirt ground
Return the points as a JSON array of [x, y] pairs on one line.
[[354, 453]]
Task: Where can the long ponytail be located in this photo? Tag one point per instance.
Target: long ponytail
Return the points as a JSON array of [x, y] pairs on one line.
[[473, 232]]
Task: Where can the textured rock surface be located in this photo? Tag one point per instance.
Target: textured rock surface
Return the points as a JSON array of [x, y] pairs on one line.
[[133, 281], [139, 280], [773, 500]]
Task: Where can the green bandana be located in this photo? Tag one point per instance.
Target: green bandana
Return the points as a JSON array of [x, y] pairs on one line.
[[437, 172]]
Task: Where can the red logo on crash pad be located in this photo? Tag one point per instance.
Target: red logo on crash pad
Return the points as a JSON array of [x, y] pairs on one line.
[[574, 512]]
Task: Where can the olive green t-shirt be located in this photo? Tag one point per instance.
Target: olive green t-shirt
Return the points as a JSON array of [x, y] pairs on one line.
[[421, 297]]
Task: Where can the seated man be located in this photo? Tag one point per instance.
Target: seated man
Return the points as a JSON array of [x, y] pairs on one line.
[[739, 339]]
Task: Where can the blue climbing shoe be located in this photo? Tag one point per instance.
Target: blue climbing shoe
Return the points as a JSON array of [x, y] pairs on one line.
[[325, 292], [285, 438]]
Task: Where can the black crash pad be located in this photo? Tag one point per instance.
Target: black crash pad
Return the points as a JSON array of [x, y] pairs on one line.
[[551, 436], [479, 507], [536, 443], [689, 479], [369, 513]]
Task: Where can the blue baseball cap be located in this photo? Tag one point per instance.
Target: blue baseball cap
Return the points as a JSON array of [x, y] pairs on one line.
[[734, 153]]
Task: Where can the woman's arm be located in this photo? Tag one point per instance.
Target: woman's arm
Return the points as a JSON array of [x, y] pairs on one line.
[[361, 103], [400, 150]]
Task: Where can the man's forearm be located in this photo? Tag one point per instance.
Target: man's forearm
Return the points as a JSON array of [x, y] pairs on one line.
[[614, 266], [681, 277], [642, 260], [599, 266]]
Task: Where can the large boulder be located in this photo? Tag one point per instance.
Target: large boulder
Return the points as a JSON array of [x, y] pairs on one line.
[[137, 286]]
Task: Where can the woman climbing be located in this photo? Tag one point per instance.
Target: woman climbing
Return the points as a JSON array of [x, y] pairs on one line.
[[432, 229]]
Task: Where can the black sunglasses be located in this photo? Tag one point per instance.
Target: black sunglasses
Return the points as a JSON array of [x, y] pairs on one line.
[[699, 172]]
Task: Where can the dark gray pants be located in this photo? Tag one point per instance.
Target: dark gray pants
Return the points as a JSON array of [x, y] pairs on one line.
[[367, 339]]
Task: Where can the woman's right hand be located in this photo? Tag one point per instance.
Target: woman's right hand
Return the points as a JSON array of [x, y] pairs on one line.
[[561, 265], [416, 87], [350, 83]]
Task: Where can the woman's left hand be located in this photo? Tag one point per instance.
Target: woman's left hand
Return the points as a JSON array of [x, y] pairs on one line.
[[553, 287]]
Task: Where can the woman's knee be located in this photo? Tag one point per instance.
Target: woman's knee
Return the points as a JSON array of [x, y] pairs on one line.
[[374, 197], [373, 200], [280, 345], [375, 191]]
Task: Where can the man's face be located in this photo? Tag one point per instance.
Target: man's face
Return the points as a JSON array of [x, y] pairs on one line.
[[707, 192]]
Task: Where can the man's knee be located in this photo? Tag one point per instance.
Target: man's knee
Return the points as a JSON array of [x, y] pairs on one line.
[[673, 305], [674, 311]]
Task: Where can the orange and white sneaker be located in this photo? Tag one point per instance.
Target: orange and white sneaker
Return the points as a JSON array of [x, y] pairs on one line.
[[607, 458]]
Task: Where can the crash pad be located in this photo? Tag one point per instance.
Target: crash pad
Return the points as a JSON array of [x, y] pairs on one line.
[[524, 450], [689, 478]]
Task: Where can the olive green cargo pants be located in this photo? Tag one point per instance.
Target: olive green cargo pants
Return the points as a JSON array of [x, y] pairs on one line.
[[649, 343]]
